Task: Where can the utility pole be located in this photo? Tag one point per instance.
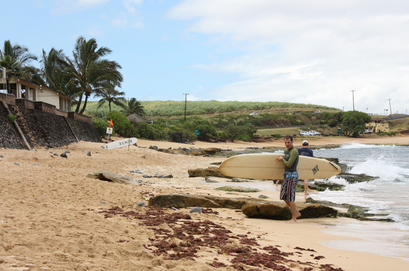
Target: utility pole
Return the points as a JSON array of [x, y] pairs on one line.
[[390, 107], [185, 102], [353, 102]]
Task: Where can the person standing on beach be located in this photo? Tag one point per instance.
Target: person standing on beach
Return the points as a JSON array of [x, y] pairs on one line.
[[305, 151], [289, 185]]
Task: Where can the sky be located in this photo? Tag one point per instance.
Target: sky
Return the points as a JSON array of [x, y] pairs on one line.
[[345, 54]]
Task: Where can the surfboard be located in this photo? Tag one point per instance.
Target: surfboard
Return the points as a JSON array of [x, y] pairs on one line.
[[120, 143], [265, 166]]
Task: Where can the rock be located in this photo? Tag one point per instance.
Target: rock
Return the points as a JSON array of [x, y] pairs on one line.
[[89, 153], [142, 204], [208, 180], [322, 186], [64, 154], [205, 172], [111, 177], [280, 211], [250, 207], [239, 180], [354, 211], [191, 151], [211, 151], [356, 178], [182, 201], [196, 210]]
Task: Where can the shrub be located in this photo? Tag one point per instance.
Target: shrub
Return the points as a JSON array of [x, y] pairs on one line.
[[151, 131], [100, 126], [122, 125], [11, 118]]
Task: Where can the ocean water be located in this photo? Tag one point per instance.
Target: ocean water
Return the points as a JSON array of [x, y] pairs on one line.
[[388, 194]]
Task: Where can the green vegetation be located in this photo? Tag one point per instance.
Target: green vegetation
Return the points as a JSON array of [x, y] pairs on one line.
[[15, 59], [11, 118], [278, 131], [353, 122], [175, 109], [278, 120]]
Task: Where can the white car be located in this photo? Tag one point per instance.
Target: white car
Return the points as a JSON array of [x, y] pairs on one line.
[[310, 133]]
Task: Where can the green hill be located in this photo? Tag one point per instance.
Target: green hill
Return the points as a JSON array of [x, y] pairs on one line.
[[169, 109]]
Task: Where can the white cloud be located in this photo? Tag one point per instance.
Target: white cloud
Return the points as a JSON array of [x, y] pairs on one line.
[[129, 18], [132, 5], [71, 6], [309, 51]]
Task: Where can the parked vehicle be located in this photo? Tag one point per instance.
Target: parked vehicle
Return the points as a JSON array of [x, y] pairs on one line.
[[309, 133]]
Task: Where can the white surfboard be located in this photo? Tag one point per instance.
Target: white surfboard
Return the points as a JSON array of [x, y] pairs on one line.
[[265, 166], [120, 143]]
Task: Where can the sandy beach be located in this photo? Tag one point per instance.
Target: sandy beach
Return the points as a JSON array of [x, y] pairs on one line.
[[54, 217]]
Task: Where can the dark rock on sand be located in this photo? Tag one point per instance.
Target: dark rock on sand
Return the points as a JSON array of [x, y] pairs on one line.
[[205, 172], [184, 201], [280, 211], [253, 208], [189, 151], [111, 177], [323, 185]]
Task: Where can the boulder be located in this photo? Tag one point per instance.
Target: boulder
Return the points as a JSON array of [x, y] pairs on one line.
[[357, 178], [253, 208], [111, 177], [280, 211], [205, 172], [184, 201], [185, 151]]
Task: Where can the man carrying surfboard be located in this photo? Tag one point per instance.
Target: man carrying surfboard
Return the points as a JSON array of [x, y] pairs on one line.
[[289, 185]]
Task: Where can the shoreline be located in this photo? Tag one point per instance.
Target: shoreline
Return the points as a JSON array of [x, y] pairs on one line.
[[50, 210], [318, 142]]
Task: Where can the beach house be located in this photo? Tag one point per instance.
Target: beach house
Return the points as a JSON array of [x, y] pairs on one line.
[[24, 91]]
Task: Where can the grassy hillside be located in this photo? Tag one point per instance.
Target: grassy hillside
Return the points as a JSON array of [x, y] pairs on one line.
[[177, 108], [399, 125]]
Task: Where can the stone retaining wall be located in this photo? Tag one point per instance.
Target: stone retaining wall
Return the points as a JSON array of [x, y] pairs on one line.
[[43, 129]]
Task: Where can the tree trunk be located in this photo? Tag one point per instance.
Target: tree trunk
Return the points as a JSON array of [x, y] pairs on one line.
[[78, 105], [85, 104]]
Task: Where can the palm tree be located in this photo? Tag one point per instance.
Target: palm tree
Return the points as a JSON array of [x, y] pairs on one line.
[[110, 95], [89, 72], [133, 106], [52, 70], [15, 59]]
